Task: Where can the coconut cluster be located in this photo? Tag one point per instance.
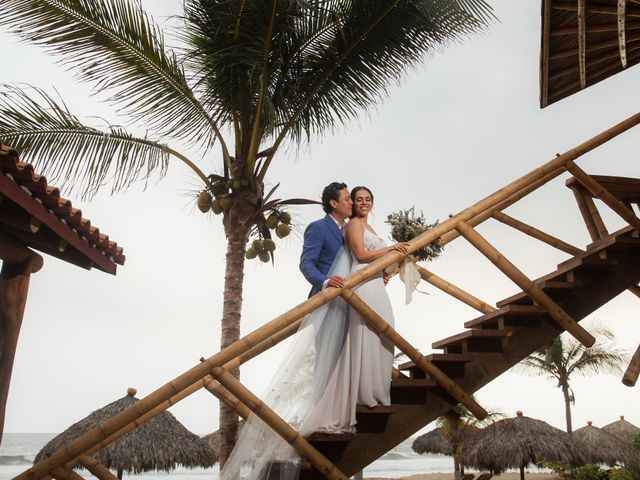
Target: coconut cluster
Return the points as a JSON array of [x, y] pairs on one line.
[[262, 247], [217, 204]]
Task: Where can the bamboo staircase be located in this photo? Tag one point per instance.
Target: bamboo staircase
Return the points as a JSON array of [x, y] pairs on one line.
[[427, 386]]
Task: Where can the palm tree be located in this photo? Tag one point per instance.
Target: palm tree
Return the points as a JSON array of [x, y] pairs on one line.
[[249, 75], [565, 357], [455, 425]]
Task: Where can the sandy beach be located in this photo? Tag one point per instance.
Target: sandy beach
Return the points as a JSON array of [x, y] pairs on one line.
[[449, 476]]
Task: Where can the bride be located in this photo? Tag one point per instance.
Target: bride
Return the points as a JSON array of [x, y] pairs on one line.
[[322, 380]]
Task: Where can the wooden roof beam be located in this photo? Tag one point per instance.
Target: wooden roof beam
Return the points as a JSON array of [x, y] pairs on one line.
[[582, 41], [605, 71], [600, 28], [544, 53], [622, 44], [595, 8], [603, 57], [632, 37]]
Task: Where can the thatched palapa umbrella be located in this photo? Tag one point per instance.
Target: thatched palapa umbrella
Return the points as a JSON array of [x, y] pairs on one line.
[[161, 443], [622, 429], [518, 442], [601, 446], [432, 442]]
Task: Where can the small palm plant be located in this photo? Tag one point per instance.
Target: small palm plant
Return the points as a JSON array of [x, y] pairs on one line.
[[565, 357]]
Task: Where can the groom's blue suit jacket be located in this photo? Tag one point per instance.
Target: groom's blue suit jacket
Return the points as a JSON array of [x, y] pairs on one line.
[[322, 240]]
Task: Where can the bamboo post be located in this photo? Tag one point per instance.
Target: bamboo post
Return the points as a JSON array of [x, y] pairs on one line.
[[454, 291], [603, 194], [378, 324], [535, 233], [630, 377], [561, 317], [101, 433], [280, 426], [97, 469], [587, 213]]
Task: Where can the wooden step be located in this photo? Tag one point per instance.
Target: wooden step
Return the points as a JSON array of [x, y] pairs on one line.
[[451, 364], [511, 315], [331, 445], [556, 289], [373, 419], [476, 340], [407, 391]]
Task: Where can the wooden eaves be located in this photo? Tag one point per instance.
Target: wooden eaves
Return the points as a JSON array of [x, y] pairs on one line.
[[584, 42], [34, 218]]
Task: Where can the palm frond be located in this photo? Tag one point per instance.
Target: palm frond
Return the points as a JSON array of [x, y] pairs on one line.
[[79, 157], [363, 47], [116, 46]]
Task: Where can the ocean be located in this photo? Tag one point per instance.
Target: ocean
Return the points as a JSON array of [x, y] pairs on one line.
[[19, 449]]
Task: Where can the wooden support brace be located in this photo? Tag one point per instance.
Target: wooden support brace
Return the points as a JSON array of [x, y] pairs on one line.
[[561, 317], [64, 474], [537, 234], [96, 468], [603, 194], [279, 425], [630, 377], [454, 291], [589, 213], [377, 323]]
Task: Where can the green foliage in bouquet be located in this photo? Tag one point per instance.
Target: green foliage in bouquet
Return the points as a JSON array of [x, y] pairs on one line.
[[406, 225]]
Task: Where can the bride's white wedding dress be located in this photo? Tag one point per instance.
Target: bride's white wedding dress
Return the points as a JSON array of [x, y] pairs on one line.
[[362, 375], [322, 378]]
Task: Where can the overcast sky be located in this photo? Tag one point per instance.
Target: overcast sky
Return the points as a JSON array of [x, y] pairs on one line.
[[455, 130]]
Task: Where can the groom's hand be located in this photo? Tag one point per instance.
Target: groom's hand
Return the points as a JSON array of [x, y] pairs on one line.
[[336, 281]]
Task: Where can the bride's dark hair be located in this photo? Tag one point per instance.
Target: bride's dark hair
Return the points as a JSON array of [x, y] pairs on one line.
[[353, 198]]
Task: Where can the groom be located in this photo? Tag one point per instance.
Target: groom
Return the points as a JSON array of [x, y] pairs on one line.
[[323, 238]]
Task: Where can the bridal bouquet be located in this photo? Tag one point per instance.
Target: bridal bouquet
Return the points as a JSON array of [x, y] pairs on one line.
[[406, 225]]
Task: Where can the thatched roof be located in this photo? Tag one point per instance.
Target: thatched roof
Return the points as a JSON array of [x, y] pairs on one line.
[[432, 442], [622, 429], [162, 443], [601, 446], [518, 442]]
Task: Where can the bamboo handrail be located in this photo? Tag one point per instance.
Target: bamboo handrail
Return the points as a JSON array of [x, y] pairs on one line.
[[603, 194], [207, 382], [561, 317], [454, 291], [96, 468], [101, 433], [378, 324], [280, 426], [537, 234], [630, 377]]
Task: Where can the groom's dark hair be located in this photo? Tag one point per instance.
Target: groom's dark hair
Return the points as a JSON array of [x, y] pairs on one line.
[[331, 192]]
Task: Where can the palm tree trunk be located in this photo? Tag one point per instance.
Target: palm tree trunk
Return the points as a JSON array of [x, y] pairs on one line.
[[457, 471], [567, 407], [237, 236]]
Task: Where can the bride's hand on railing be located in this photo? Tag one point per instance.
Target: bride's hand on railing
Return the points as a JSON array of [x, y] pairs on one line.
[[402, 247]]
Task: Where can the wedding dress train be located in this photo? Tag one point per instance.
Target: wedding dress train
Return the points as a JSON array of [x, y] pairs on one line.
[[322, 378]]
